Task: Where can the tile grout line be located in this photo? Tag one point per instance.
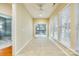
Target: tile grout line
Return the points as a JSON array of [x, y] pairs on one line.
[[22, 47], [60, 48]]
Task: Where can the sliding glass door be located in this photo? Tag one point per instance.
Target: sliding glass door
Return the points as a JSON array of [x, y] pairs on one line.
[[77, 25], [65, 26], [55, 28], [5, 27], [2, 26]]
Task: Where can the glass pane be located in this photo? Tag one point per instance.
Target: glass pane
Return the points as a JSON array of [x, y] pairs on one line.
[[65, 27], [55, 26], [41, 29], [2, 26], [77, 26], [8, 27], [5, 27]]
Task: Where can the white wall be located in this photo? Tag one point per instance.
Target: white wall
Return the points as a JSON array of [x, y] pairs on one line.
[[23, 26]]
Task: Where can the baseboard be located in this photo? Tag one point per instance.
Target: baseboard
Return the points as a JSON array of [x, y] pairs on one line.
[[73, 51], [69, 48], [60, 48], [22, 47]]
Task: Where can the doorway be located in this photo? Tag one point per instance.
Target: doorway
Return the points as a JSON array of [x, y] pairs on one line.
[[40, 28]]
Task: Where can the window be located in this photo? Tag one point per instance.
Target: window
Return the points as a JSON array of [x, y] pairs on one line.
[[77, 25], [55, 28], [8, 27], [5, 26], [2, 26], [41, 29], [65, 26]]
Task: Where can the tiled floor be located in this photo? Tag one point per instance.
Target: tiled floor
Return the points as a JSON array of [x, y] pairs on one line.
[[41, 47], [68, 51]]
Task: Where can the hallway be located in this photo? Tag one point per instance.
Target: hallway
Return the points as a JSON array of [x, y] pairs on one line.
[[54, 21]]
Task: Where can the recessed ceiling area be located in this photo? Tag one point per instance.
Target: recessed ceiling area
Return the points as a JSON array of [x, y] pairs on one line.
[[40, 10]]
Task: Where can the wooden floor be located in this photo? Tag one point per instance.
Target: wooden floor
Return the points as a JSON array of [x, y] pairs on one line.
[[41, 47], [6, 51]]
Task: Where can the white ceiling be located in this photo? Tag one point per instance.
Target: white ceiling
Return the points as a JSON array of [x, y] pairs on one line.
[[34, 9]]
